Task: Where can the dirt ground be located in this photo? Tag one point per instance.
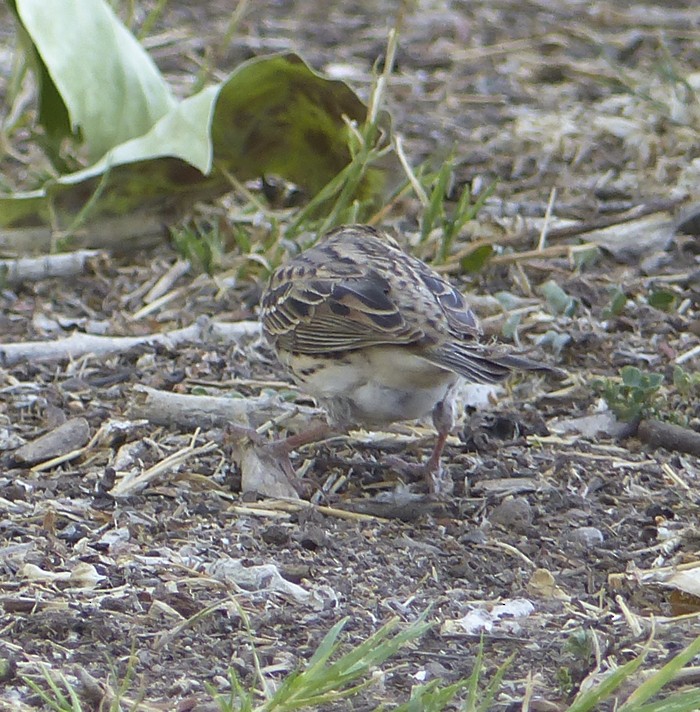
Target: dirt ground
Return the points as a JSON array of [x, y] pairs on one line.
[[574, 532]]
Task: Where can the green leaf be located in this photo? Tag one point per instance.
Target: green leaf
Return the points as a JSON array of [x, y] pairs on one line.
[[662, 299], [108, 85], [510, 326], [272, 115], [558, 300], [22, 209], [183, 133], [631, 376], [653, 381], [476, 259], [276, 115], [618, 300], [583, 258]]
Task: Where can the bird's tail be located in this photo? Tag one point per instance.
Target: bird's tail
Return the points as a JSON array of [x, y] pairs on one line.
[[483, 364]]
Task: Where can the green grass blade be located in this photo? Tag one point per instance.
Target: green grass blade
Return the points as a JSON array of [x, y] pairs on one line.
[[321, 682], [473, 679], [589, 700], [688, 701], [435, 210], [495, 685], [666, 674], [327, 646], [431, 697]]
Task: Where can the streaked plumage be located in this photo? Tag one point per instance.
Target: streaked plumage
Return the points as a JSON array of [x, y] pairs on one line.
[[374, 334]]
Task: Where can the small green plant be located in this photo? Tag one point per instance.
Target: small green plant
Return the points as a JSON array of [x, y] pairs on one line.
[[633, 395], [662, 299], [331, 676], [687, 384], [60, 695], [580, 645], [436, 215], [578, 653], [201, 244], [565, 680], [618, 300], [639, 700], [557, 299], [323, 681], [368, 144]]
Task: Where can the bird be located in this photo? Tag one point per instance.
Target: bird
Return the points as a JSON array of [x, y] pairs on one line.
[[376, 336]]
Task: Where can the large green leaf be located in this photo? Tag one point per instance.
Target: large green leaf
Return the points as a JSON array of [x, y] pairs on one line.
[[273, 115], [183, 133], [111, 89]]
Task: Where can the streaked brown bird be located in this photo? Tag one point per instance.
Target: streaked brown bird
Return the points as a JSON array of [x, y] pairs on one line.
[[377, 336]]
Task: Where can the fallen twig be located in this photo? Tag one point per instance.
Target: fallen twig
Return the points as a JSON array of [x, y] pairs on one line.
[[78, 344], [123, 234], [132, 484], [33, 269], [667, 435], [188, 411]]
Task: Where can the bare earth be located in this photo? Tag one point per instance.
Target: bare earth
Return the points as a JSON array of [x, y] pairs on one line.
[[571, 96]]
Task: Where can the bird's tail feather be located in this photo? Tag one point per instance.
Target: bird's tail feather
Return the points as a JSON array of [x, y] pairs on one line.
[[480, 364]]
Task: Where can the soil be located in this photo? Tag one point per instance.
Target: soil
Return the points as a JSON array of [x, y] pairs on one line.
[[574, 532]]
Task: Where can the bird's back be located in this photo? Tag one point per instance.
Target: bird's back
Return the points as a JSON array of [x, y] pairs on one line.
[[357, 288]]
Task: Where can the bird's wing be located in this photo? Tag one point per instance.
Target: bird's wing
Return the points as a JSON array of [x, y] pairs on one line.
[[357, 289], [321, 315], [460, 319]]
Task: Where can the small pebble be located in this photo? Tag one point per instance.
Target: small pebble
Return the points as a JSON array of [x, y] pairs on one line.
[[514, 513], [586, 537], [275, 535]]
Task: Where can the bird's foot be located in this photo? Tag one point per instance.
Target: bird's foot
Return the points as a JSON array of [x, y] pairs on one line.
[[436, 477]]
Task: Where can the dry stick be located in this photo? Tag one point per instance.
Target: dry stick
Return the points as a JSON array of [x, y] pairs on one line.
[[631, 618], [156, 304], [125, 234], [186, 411], [294, 506], [551, 251], [675, 477], [547, 217], [33, 269], [78, 344], [669, 436], [601, 222], [131, 485], [165, 283], [692, 353], [580, 228]]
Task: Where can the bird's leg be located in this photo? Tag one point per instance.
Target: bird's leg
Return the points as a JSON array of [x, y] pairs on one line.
[[444, 417], [320, 431], [281, 446], [281, 449]]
